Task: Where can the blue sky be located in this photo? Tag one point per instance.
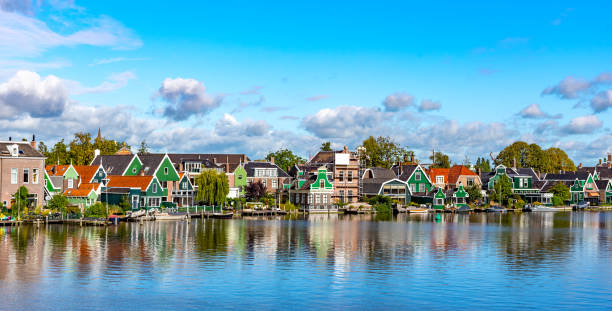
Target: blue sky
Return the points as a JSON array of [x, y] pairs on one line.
[[257, 76]]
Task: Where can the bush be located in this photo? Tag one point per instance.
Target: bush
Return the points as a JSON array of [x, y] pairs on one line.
[[557, 201], [383, 209], [379, 199], [97, 210], [290, 207], [519, 204]]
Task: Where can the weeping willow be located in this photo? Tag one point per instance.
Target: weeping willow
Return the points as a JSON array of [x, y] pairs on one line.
[[213, 187]]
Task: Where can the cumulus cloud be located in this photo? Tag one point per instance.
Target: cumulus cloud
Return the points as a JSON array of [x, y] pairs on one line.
[[105, 61], [228, 125], [573, 88], [429, 105], [28, 93], [602, 101], [546, 126], [398, 101], [568, 88], [343, 122], [583, 125], [533, 111], [24, 35], [184, 98]]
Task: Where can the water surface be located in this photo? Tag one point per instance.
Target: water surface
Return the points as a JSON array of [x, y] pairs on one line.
[[480, 261]]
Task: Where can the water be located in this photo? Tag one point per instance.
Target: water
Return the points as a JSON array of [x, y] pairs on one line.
[[481, 261]]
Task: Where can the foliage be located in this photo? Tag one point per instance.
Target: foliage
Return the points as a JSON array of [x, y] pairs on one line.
[[125, 204], [383, 209], [21, 200], [213, 187], [284, 158], [519, 204], [379, 199], [80, 150], [561, 191], [502, 190], [440, 160], [290, 207], [384, 152], [58, 202], [474, 193], [531, 155], [268, 200], [326, 146], [144, 148], [255, 190], [483, 164], [97, 210], [557, 201]]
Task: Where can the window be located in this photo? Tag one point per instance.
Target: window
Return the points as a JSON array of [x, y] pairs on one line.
[[341, 195], [439, 202], [470, 182], [310, 198], [325, 199], [421, 187], [350, 193], [70, 183], [164, 184], [460, 200], [350, 176], [322, 184], [297, 198], [35, 175], [154, 202], [13, 176], [264, 182], [317, 199], [439, 179], [26, 175], [154, 188], [184, 185], [417, 175], [239, 176], [134, 171], [165, 170], [341, 176], [274, 183], [413, 187]]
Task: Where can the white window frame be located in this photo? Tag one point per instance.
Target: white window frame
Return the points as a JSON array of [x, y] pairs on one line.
[[35, 176], [70, 183], [413, 187], [274, 183], [439, 179], [165, 170], [154, 189], [421, 187], [14, 176], [417, 175]]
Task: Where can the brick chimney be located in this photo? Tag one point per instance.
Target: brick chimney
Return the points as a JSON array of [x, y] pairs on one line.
[[513, 162], [345, 150], [215, 161], [580, 165], [33, 142], [272, 160]]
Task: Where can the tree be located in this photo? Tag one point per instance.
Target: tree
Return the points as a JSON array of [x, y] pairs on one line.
[[81, 149], [560, 191], [255, 190], [502, 190], [383, 152], [284, 158], [483, 164], [474, 193], [58, 202], [21, 201], [213, 187], [440, 160], [326, 146], [531, 155], [125, 204], [58, 154], [144, 148]]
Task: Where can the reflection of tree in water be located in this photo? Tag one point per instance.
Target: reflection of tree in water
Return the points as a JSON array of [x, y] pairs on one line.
[[211, 239]]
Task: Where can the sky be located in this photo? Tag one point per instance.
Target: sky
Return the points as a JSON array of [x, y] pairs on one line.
[[256, 76]]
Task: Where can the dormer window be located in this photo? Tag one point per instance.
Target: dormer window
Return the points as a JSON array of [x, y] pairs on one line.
[[439, 179], [134, 170], [417, 176], [70, 183]]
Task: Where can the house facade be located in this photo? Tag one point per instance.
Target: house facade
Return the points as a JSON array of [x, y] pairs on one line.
[[417, 179], [143, 192], [382, 181], [313, 193], [21, 164], [268, 173], [343, 167]]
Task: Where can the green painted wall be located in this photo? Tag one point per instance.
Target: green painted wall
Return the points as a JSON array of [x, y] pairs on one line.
[[322, 176], [158, 193], [172, 174], [134, 167], [93, 196], [71, 173], [49, 184], [184, 184], [516, 183], [240, 178], [439, 195], [423, 180], [99, 176], [461, 193]]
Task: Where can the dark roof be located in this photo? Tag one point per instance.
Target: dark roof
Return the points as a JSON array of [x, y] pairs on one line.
[[604, 172], [380, 173], [372, 186], [24, 149], [57, 181], [583, 175], [404, 171], [549, 184], [114, 164], [527, 171], [250, 167], [222, 158], [150, 162], [602, 184], [323, 157]]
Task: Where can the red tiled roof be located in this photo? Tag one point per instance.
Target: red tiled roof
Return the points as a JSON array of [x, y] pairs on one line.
[[433, 172], [458, 170], [117, 181], [83, 190], [56, 170], [86, 172]]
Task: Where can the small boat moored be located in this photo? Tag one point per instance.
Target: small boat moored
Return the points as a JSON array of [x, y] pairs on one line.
[[495, 209], [463, 209]]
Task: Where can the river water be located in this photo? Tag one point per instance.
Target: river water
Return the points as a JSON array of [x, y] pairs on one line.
[[482, 261]]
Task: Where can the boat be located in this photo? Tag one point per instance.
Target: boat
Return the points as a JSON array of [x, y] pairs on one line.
[[417, 210], [463, 209], [166, 216], [222, 216], [542, 208], [496, 209], [582, 205]]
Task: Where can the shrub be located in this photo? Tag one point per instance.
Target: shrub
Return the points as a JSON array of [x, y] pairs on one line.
[[290, 207], [557, 201], [97, 210], [519, 204], [383, 208]]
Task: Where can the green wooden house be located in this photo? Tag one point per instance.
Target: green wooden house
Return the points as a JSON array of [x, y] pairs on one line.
[[313, 193], [416, 177], [439, 199], [460, 197]]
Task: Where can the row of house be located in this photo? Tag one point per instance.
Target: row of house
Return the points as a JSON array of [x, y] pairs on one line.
[[327, 179]]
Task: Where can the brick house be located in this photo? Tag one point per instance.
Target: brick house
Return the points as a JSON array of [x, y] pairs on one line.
[[21, 165], [343, 170]]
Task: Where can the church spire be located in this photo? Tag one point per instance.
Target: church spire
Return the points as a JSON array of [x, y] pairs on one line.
[[99, 135]]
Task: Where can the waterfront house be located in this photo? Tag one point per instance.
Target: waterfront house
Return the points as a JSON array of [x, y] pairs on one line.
[[21, 164], [581, 183], [143, 192], [382, 181], [343, 167], [313, 193], [184, 194], [525, 183], [451, 178], [271, 175], [460, 197], [439, 198]]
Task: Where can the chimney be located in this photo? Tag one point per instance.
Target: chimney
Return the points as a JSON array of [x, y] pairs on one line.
[[96, 153], [345, 149], [215, 161], [33, 142], [10, 138], [513, 162], [272, 160], [609, 157], [599, 162], [180, 166], [580, 165]]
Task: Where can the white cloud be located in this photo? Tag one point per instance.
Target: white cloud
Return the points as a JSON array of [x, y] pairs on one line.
[[398, 101], [602, 101], [344, 122], [583, 125], [568, 88], [27, 36], [105, 61], [316, 98], [113, 82], [28, 93], [228, 125], [429, 105], [533, 111], [184, 98]]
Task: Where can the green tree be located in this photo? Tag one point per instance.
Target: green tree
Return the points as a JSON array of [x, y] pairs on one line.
[[144, 148], [255, 190], [107, 146], [531, 155], [561, 191], [483, 164], [81, 149], [502, 190], [21, 202], [58, 202], [474, 193], [58, 154], [326, 146], [284, 158], [213, 187], [558, 160], [383, 152], [125, 204], [440, 160]]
